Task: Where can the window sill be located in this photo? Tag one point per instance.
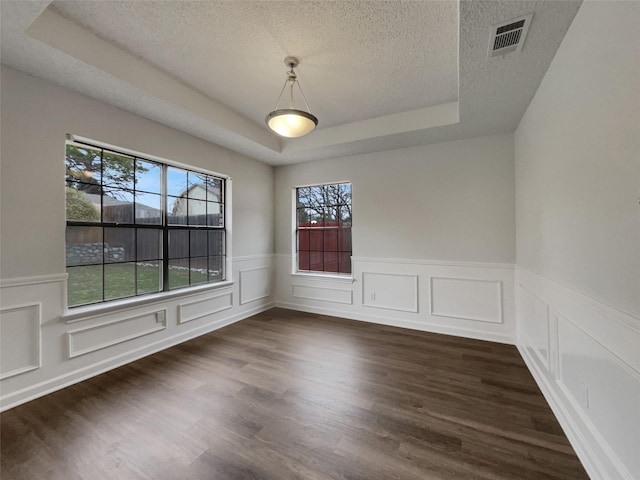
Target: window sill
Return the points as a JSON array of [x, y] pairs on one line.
[[327, 277], [83, 313]]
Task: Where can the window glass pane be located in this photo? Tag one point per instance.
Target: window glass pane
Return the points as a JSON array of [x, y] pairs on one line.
[[83, 164], [303, 260], [215, 190], [177, 211], [344, 215], [303, 240], [84, 245], [148, 208], [331, 217], [117, 207], [148, 176], [119, 245], [216, 243], [199, 270], [216, 268], [81, 206], [197, 212], [117, 171], [331, 239], [149, 277], [176, 182], [344, 239], [198, 242], [215, 214], [316, 261], [84, 285], [310, 217], [344, 260], [178, 273], [119, 280], [330, 261], [310, 197], [197, 186], [315, 240], [149, 244], [178, 244]]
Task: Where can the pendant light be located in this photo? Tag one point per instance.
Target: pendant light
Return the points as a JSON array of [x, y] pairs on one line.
[[290, 122]]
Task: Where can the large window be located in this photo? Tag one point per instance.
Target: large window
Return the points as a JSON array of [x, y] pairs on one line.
[[137, 226], [323, 228]]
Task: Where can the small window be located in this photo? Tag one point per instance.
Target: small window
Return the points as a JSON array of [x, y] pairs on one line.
[[323, 228], [137, 226]]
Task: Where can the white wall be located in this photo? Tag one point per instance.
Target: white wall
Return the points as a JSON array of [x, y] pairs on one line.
[[41, 350], [431, 225], [577, 153]]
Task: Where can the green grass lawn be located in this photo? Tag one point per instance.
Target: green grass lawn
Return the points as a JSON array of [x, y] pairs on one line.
[[85, 283]]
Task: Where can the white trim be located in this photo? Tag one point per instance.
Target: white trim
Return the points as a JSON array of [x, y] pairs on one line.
[[35, 280], [590, 459], [78, 314], [464, 317], [51, 385], [247, 258], [161, 321], [243, 300], [410, 324], [204, 314], [324, 277], [37, 336], [444, 263], [309, 297]]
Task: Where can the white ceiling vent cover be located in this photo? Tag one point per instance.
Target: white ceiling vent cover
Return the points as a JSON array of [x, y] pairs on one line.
[[508, 37]]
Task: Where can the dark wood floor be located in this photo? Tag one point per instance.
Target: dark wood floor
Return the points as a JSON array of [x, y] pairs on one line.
[[286, 395]]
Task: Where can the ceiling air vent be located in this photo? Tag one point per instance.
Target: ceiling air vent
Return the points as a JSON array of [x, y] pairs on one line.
[[508, 37]]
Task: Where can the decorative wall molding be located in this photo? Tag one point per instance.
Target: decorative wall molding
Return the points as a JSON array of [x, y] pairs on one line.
[[443, 263], [49, 385], [467, 298], [390, 291], [35, 280], [590, 375], [204, 307], [248, 258], [97, 337], [398, 322], [322, 293], [20, 339], [255, 284]]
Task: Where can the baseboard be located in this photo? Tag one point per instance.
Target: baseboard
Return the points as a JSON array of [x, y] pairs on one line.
[[57, 383], [394, 322]]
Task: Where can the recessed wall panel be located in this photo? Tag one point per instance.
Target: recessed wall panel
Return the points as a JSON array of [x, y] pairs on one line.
[[467, 298], [254, 284], [390, 291], [19, 340]]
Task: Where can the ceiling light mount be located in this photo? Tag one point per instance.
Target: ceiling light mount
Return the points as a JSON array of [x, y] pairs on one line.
[[291, 122]]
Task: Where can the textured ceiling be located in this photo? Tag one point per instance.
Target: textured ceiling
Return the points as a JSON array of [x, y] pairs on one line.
[[379, 75], [350, 52]]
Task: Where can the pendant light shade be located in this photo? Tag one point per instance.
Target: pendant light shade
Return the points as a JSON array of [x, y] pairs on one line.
[[291, 122]]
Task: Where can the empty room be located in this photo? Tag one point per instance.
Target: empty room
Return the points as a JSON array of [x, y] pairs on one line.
[[320, 240]]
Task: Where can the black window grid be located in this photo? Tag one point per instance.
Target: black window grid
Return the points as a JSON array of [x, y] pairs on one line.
[[163, 227]]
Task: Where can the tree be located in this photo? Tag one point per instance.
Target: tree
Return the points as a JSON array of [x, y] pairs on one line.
[[79, 207], [325, 203], [98, 171]]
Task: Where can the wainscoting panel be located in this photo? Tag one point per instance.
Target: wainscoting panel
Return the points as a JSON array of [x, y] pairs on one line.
[[324, 294], [203, 307], [96, 337], [19, 339], [86, 342], [390, 291], [591, 381], [255, 284], [469, 299]]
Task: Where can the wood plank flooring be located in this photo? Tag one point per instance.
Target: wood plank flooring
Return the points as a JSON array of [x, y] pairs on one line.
[[287, 395]]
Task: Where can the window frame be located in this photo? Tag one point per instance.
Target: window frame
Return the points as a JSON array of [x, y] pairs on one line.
[[164, 227], [336, 276]]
